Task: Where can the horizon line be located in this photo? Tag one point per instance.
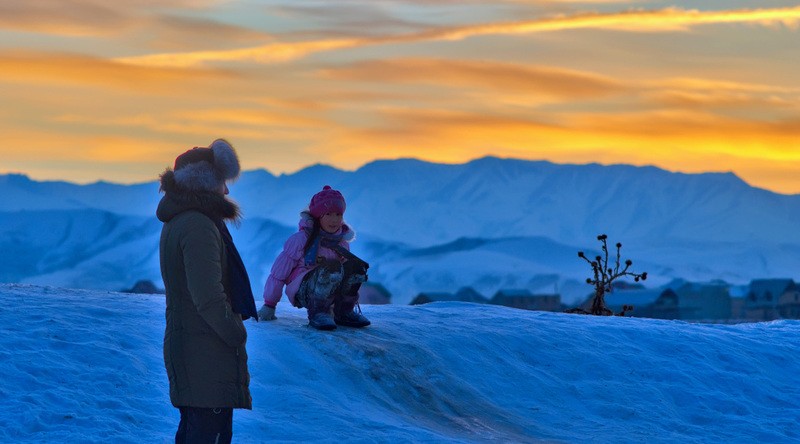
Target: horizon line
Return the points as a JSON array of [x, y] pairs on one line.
[[399, 159]]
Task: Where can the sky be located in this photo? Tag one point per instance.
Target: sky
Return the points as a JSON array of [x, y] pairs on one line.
[[114, 91], [86, 366]]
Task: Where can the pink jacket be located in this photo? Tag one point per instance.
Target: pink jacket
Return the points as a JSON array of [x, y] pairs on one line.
[[289, 267]]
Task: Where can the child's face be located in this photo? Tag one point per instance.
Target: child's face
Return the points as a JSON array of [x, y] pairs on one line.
[[331, 222]]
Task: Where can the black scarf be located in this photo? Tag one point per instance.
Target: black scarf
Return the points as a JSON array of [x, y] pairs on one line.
[[239, 293]]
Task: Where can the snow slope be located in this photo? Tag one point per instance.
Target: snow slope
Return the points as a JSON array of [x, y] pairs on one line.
[[86, 366]]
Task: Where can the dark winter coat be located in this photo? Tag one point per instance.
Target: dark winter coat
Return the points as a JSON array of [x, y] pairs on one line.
[[204, 340]]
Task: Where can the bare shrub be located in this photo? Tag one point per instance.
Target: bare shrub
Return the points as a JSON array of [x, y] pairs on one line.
[[603, 276]]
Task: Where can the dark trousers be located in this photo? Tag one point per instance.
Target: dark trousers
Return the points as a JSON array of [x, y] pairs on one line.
[[205, 426], [331, 284]]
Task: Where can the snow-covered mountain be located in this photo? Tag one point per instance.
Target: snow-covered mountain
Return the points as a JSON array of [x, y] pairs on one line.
[[87, 366], [490, 223], [425, 204]]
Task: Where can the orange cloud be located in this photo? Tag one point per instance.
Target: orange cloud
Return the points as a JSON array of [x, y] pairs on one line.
[[243, 123], [79, 148], [670, 19], [693, 93], [72, 69], [250, 117], [76, 18], [504, 77], [723, 85], [271, 53], [722, 100], [81, 18], [725, 133]]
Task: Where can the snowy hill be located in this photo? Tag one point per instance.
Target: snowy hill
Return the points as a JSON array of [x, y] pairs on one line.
[[86, 366], [489, 224]]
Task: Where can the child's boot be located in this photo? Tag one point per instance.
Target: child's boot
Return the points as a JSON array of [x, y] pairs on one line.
[[328, 277], [322, 321], [352, 319], [344, 313], [347, 300]]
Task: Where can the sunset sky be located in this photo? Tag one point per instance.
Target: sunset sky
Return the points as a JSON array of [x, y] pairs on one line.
[[100, 90]]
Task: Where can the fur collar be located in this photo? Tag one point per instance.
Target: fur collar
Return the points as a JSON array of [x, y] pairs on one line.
[[177, 200]]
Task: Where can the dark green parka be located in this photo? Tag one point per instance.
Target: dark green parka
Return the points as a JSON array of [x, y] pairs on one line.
[[204, 340]]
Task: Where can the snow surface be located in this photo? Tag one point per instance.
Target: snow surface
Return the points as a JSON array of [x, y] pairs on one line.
[[84, 366]]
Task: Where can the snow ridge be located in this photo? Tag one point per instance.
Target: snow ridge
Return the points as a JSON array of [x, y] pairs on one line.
[[86, 366]]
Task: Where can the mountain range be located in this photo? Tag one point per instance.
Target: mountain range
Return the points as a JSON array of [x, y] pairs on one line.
[[490, 224]]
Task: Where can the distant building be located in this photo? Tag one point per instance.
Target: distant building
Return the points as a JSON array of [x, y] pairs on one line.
[[465, 294], [626, 285], [647, 303], [468, 294], [373, 294], [707, 301], [524, 299], [761, 303], [428, 297], [144, 287], [714, 301], [789, 304], [738, 295], [655, 303], [681, 300]]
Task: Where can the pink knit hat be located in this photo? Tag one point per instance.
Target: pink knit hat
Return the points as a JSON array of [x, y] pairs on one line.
[[326, 201]]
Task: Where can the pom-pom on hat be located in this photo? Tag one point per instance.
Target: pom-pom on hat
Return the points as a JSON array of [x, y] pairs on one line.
[[326, 201], [207, 168]]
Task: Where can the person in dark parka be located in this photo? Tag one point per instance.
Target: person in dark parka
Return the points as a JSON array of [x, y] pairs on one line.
[[204, 340]]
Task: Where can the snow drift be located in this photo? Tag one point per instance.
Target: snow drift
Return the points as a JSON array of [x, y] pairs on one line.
[[86, 366]]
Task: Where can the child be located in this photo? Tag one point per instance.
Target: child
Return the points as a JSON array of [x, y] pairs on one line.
[[317, 268]]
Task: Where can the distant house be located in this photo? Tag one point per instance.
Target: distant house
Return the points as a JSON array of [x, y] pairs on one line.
[[428, 297], [374, 294], [647, 303], [666, 306], [468, 294], [524, 299], [704, 300], [681, 300], [465, 294], [789, 304], [761, 303], [738, 295], [144, 287], [626, 285], [761, 300]]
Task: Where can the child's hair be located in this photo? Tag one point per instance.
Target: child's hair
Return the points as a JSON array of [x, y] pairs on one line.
[[314, 232]]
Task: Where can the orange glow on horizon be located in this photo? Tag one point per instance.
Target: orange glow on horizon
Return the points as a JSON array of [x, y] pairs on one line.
[[116, 93]]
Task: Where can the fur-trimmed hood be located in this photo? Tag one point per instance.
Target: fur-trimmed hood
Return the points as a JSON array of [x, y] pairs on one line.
[[177, 200]]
